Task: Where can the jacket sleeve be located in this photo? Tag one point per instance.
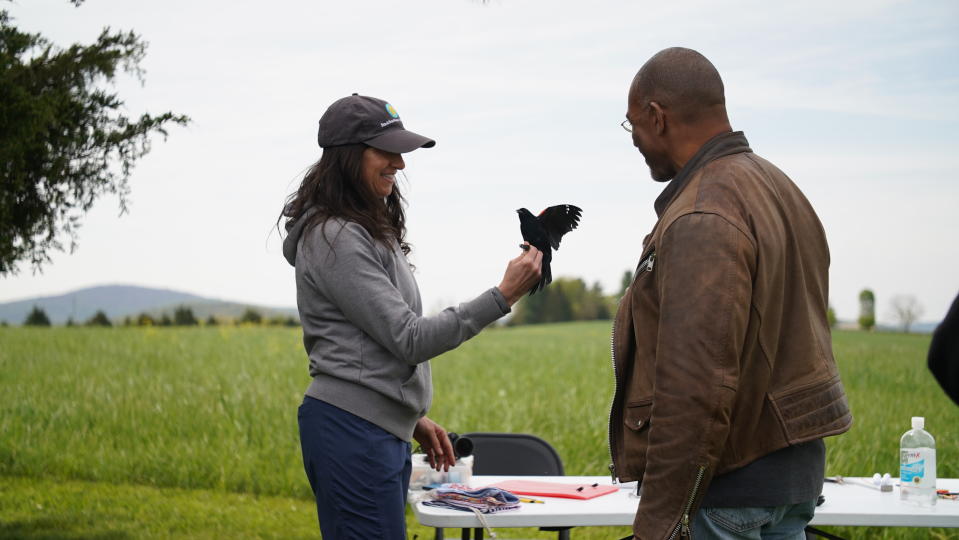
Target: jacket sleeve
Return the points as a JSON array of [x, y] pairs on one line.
[[349, 271], [704, 279]]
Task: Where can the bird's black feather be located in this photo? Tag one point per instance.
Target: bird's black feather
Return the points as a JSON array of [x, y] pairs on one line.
[[559, 220], [545, 232]]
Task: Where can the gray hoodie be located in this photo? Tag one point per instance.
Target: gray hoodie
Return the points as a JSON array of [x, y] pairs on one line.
[[363, 324]]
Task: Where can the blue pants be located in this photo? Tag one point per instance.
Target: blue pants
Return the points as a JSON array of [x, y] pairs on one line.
[[769, 523], [359, 473]]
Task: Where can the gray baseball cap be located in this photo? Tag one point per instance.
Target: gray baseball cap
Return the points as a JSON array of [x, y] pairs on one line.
[[368, 120]]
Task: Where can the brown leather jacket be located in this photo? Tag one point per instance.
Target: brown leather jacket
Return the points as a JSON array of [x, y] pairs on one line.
[[721, 349]]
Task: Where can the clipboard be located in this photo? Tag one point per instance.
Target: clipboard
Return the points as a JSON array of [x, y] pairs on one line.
[[555, 489]]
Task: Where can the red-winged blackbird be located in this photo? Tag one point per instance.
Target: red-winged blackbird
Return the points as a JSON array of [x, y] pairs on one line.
[[545, 231]]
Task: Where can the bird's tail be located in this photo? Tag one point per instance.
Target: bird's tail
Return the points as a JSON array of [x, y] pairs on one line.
[[545, 279]]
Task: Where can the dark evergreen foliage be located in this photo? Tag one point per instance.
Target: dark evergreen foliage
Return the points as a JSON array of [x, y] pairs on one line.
[[183, 316], [251, 316], [99, 319], [37, 317], [64, 141]]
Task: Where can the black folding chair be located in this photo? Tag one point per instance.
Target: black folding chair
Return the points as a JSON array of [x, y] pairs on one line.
[[513, 454]]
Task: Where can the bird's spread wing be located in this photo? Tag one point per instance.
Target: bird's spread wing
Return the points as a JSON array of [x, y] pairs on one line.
[[559, 220]]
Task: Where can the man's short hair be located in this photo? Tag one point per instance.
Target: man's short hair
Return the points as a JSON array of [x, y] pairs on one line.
[[681, 80]]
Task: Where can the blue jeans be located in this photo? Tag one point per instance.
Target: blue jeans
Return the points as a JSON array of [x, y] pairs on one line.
[[767, 523], [359, 473]]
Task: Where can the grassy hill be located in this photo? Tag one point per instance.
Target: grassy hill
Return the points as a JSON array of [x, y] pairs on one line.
[[98, 422]]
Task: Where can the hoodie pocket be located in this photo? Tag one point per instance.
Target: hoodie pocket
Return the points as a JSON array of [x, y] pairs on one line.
[[416, 391]]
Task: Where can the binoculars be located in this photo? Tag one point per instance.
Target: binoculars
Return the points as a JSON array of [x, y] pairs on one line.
[[462, 446]]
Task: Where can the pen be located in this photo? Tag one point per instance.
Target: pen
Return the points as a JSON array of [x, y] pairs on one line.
[[525, 500]]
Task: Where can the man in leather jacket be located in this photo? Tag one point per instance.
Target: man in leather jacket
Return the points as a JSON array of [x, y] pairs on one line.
[[725, 378]]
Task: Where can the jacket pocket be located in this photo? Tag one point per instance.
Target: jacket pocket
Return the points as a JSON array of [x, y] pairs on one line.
[[637, 414]]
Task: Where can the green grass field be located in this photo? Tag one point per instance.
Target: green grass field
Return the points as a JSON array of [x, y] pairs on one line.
[[191, 432]]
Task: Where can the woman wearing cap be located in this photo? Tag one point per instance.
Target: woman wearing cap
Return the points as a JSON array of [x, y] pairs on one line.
[[368, 342]]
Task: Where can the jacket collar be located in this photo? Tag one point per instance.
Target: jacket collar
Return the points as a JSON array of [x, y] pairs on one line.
[[724, 144]]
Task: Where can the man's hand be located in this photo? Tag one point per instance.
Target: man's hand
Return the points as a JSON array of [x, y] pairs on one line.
[[435, 443]]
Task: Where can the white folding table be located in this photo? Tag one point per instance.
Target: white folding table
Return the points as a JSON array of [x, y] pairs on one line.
[[856, 502]]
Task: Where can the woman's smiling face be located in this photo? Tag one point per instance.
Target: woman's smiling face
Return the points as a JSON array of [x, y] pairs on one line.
[[379, 170]]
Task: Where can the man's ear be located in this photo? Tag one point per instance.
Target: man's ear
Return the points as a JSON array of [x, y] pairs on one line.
[[658, 117]]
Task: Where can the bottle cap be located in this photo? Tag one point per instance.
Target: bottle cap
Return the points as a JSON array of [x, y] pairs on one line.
[[918, 422]]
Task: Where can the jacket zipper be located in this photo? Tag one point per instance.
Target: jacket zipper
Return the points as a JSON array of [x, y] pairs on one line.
[[646, 265], [682, 528], [609, 435]]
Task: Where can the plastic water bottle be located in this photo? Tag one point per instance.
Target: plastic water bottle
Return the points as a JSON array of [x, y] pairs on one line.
[[917, 465]]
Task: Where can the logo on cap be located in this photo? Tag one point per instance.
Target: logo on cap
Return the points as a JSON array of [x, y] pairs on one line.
[[392, 111]]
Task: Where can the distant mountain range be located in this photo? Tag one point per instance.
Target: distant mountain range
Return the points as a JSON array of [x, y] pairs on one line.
[[119, 301], [917, 328], [925, 327]]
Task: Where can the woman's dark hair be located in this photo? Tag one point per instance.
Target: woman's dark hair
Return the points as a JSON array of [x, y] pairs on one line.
[[334, 186]]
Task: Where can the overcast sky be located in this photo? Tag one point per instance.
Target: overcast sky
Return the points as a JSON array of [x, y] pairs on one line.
[[857, 101]]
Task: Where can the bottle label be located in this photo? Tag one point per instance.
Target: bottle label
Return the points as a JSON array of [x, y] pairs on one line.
[[912, 472], [915, 467]]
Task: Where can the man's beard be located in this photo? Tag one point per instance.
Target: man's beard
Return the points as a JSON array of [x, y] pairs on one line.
[[661, 172]]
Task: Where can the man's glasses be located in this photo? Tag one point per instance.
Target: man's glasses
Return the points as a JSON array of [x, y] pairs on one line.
[[627, 126]]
